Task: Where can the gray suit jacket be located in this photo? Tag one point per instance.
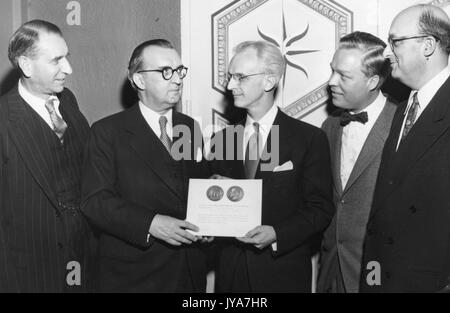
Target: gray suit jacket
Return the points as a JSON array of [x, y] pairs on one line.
[[340, 263]]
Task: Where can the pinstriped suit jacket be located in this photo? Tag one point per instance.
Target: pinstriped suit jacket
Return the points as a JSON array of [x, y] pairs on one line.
[[33, 230]]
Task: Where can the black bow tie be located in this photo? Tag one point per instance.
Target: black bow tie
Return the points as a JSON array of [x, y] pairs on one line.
[[346, 118]]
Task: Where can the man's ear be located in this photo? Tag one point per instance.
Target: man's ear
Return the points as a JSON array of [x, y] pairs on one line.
[[430, 46], [270, 82], [373, 82], [138, 81], [25, 65]]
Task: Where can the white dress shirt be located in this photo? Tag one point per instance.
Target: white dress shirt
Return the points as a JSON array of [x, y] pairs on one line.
[[152, 119], [38, 104], [265, 124], [354, 136], [424, 96]]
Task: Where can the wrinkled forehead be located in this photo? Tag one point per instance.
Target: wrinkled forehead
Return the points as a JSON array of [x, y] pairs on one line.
[[158, 57], [246, 61], [405, 24]]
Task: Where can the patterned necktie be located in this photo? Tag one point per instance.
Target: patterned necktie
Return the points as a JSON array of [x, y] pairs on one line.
[[164, 136], [59, 125], [411, 117], [346, 118], [252, 153]]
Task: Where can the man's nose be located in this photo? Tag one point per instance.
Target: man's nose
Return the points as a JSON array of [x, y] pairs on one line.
[[176, 78], [333, 79], [387, 53], [231, 83], [65, 66]]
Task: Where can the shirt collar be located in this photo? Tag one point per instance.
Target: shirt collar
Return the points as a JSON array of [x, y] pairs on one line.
[[374, 109], [427, 92], [265, 123], [35, 100], [152, 119]]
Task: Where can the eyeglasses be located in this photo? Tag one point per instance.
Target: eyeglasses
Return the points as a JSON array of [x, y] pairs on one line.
[[240, 77], [395, 42], [167, 72]]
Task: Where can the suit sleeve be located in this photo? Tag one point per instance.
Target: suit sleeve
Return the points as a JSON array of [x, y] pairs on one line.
[[101, 200], [316, 208]]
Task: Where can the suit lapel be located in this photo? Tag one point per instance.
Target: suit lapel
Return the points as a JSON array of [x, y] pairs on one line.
[[284, 133], [433, 121], [335, 147], [373, 145], [148, 146], [23, 137]]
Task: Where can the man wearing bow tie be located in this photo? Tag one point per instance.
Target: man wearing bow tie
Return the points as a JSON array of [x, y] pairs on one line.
[[43, 134], [297, 198], [356, 134], [135, 183]]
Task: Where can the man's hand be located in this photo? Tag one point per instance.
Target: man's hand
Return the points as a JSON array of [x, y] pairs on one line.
[[205, 239], [172, 230], [217, 176], [260, 236]]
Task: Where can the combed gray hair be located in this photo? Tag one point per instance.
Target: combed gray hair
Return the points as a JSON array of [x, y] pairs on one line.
[[24, 41], [270, 55]]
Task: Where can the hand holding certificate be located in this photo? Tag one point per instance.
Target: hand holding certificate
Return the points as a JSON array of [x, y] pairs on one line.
[[224, 208]]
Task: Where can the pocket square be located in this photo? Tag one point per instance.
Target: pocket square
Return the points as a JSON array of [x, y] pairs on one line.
[[287, 166]]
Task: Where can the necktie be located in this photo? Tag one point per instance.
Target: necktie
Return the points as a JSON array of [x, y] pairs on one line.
[[252, 153], [59, 125], [411, 117], [164, 137], [346, 118]]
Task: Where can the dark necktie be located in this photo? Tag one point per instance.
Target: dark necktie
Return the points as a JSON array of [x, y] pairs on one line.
[[411, 117], [252, 153], [346, 118], [59, 125], [164, 137]]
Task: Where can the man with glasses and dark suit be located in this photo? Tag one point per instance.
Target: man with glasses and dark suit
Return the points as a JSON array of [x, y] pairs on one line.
[[407, 247], [135, 183], [296, 176]]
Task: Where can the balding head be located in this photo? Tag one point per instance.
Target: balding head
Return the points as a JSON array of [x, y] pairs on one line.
[[419, 38]]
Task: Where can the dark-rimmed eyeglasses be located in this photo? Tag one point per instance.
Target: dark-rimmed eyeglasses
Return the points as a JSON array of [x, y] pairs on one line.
[[239, 77], [167, 71], [395, 42]]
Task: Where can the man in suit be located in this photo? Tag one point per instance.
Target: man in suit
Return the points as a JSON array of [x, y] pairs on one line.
[[43, 134], [135, 183], [356, 133], [297, 197], [407, 247]]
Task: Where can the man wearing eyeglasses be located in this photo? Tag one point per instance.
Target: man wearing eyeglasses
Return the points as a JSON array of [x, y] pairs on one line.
[[407, 247], [297, 198], [135, 183]]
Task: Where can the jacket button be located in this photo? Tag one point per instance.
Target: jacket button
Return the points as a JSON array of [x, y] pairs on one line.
[[390, 241], [60, 245], [370, 232], [341, 241], [391, 182], [413, 209]]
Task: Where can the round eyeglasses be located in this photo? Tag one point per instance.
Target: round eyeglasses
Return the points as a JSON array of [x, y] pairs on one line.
[[167, 72], [241, 77]]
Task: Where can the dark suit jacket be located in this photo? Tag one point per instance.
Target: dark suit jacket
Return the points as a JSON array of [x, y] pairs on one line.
[[126, 182], [34, 239], [408, 232], [341, 255], [297, 203]]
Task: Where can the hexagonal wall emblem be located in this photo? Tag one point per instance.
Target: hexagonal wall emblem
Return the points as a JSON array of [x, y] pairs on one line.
[[307, 33]]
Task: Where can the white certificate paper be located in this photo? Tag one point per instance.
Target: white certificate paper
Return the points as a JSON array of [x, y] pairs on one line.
[[224, 207]]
